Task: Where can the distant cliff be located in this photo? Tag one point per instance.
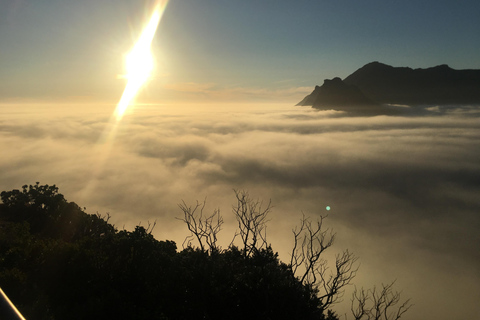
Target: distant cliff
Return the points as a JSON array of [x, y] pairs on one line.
[[377, 84]]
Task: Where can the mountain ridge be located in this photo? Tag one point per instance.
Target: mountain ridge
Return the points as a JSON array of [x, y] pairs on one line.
[[338, 95], [378, 84], [403, 85]]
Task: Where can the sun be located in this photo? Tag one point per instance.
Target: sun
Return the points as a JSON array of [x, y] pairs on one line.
[[139, 62], [139, 65]]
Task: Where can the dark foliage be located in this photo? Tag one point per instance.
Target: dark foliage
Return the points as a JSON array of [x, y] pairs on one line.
[[58, 262]]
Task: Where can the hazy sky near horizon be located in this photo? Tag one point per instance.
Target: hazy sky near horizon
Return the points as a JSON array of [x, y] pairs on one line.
[[205, 49]]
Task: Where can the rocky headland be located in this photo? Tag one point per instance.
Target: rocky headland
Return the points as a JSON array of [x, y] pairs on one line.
[[376, 86]]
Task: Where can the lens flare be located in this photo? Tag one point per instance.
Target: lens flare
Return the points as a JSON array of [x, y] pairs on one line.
[[139, 64], [139, 61]]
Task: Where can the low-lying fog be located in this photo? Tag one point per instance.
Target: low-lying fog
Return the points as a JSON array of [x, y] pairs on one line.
[[404, 191]]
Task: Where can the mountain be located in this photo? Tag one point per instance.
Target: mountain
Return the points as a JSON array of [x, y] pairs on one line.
[[440, 85], [335, 92], [338, 95], [377, 84]]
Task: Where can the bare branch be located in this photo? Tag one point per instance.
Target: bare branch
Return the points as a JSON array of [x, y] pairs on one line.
[[310, 242], [252, 222], [298, 256], [151, 226], [314, 241], [383, 303], [359, 304], [333, 287], [204, 229]]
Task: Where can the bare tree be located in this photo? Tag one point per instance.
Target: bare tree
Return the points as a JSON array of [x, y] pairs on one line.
[[381, 304], [252, 222], [251, 217], [204, 228], [307, 260], [359, 304], [307, 263], [148, 229]]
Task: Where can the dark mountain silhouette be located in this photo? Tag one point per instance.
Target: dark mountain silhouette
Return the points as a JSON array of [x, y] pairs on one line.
[[365, 90], [440, 85], [338, 95]]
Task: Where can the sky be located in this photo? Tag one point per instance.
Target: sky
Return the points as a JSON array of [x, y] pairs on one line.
[[219, 114], [206, 49]]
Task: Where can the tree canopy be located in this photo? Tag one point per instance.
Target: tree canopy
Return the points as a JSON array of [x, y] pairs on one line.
[[59, 262]]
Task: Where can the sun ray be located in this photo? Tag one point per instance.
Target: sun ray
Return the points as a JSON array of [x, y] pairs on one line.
[[139, 61], [139, 64]]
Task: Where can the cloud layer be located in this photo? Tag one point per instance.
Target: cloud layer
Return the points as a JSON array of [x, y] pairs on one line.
[[403, 190]]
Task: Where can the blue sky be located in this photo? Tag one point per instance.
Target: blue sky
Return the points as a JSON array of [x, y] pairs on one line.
[[67, 49]]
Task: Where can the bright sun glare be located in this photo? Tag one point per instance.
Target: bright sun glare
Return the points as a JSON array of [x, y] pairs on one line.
[[139, 61]]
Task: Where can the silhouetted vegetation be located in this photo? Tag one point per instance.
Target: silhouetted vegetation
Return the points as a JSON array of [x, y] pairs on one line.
[[58, 262]]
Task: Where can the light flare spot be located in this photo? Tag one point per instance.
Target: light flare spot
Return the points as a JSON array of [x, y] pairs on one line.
[[139, 62]]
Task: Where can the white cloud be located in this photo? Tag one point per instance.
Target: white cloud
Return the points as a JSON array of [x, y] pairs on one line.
[[403, 190]]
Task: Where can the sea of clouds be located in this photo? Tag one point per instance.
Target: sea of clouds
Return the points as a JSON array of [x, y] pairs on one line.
[[404, 191]]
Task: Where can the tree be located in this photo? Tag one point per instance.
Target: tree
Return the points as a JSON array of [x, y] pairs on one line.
[[252, 222], [310, 242], [306, 261], [203, 228], [376, 304], [249, 213], [76, 265], [35, 196], [249, 279]]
